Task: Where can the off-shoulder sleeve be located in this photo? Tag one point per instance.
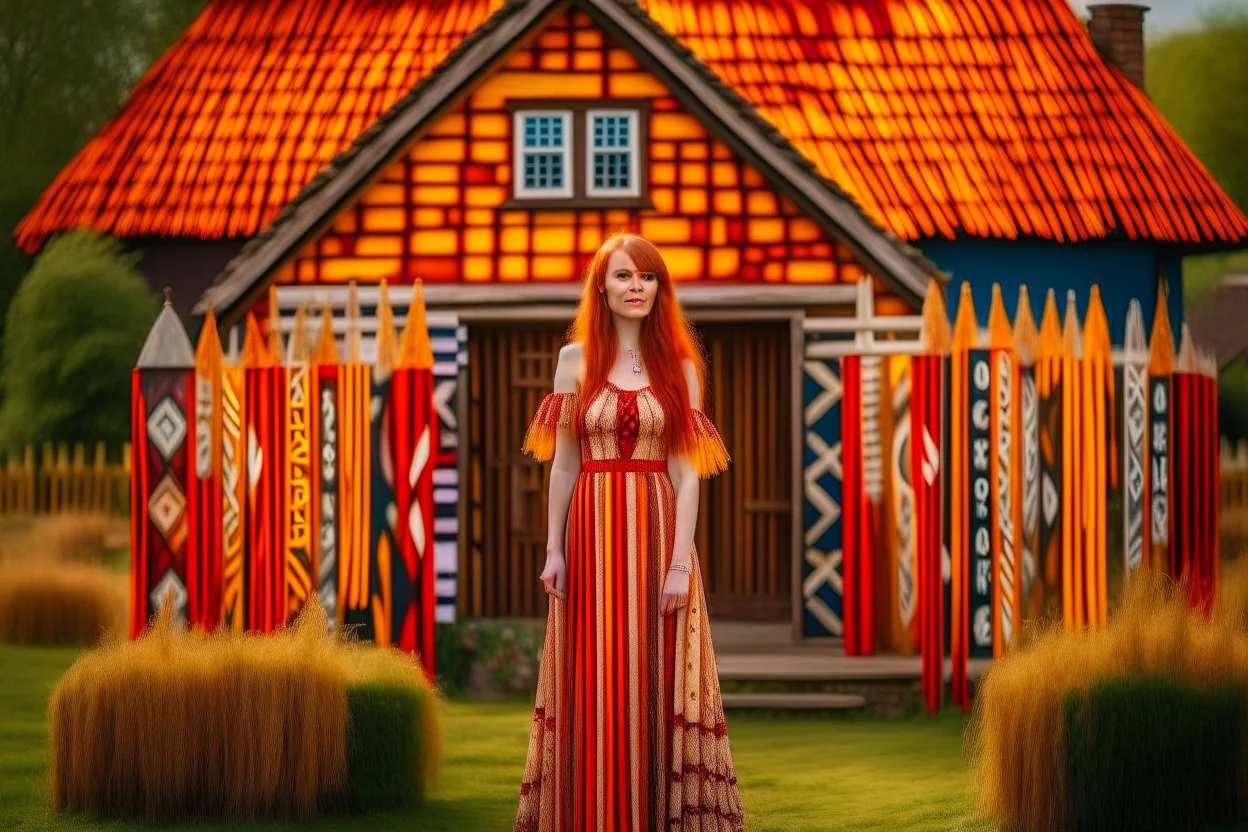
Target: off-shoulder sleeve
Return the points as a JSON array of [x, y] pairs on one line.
[[710, 457], [556, 411]]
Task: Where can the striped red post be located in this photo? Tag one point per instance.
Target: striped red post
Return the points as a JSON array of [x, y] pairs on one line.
[[413, 444], [265, 431], [858, 636]]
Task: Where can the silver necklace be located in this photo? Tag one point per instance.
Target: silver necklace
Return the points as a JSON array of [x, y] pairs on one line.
[[636, 360]]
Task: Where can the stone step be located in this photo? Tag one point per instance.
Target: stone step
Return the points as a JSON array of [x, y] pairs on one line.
[[795, 701]]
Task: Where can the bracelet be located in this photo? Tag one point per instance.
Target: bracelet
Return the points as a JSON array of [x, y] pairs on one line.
[[679, 567]]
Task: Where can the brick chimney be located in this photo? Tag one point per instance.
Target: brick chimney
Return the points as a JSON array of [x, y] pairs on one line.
[[1117, 30]]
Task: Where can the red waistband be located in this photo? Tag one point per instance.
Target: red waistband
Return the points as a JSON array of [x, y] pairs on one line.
[[633, 466]]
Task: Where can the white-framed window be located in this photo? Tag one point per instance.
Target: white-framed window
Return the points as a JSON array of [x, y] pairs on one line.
[[543, 157], [612, 153]]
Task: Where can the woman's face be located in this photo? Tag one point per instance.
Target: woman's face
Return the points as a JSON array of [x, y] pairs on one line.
[[630, 293]]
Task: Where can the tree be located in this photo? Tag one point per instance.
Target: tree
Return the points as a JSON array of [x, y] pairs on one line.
[[74, 331], [1198, 79], [65, 66]]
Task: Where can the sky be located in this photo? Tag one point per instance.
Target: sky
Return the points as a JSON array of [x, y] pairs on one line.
[[1163, 15]]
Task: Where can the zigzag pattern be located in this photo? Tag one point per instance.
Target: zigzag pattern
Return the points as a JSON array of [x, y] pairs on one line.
[[822, 591]]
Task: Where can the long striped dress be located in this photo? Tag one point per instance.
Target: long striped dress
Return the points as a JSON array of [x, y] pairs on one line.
[[628, 730]]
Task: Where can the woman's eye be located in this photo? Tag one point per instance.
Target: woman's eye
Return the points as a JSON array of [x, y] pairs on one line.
[[648, 277]]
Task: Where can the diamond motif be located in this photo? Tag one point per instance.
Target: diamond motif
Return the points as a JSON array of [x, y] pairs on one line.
[[169, 583], [166, 428], [167, 508], [1048, 495]]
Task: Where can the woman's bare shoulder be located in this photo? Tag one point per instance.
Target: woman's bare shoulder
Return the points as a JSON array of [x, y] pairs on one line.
[[568, 368]]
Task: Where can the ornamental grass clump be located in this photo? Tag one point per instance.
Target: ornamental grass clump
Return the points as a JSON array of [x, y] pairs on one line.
[[49, 603], [1041, 709], [180, 725]]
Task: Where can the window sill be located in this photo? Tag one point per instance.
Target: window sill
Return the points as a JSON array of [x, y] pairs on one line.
[[579, 203]]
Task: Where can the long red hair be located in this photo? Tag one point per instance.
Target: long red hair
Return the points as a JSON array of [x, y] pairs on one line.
[[667, 340]]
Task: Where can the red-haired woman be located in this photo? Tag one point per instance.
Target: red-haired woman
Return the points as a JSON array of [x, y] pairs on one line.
[[628, 730]]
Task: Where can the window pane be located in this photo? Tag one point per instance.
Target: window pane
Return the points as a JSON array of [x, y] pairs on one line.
[[610, 131], [543, 131], [611, 170], [543, 170]]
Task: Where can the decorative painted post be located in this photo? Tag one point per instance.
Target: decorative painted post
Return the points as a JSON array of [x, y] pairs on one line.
[[1160, 430], [161, 394], [925, 436], [856, 565], [413, 429], [205, 554], [299, 537], [385, 563], [960, 537], [1134, 430], [325, 365], [1049, 389], [234, 491], [823, 563], [354, 482], [1100, 454], [1193, 529], [1072, 470], [1026, 349], [1007, 565], [981, 517], [265, 425]]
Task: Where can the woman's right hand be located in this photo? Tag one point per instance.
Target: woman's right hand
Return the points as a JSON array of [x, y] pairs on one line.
[[555, 575]]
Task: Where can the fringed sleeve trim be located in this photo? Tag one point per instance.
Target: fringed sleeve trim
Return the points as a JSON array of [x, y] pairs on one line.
[[556, 411], [710, 457]]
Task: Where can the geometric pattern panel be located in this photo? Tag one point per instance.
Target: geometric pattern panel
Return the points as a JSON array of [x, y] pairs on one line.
[[167, 508], [822, 590], [450, 356], [170, 584], [166, 428]]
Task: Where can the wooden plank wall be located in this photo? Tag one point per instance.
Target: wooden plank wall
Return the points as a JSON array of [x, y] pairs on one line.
[[509, 370], [744, 532]]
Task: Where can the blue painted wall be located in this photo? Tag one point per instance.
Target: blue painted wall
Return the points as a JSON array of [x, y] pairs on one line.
[[1123, 271]]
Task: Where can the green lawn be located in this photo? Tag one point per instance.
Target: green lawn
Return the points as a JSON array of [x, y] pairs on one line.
[[796, 774]]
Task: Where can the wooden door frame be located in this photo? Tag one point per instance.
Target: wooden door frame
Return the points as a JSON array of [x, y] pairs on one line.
[[795, 316]]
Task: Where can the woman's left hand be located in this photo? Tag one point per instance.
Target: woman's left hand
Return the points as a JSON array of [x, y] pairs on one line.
[[675, 591]]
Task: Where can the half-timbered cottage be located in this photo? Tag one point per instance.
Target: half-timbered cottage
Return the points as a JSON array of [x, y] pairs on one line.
[[776, 152]]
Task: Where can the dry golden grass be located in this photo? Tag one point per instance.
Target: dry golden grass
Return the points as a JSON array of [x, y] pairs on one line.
[[185, 725], [59, 603], [64, 538], [1015, 740]]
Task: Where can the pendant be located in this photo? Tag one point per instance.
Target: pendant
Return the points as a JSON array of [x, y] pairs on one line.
[[636, 362]]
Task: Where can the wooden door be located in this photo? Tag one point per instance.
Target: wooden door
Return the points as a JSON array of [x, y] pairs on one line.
[[744, 532], [510, 368]]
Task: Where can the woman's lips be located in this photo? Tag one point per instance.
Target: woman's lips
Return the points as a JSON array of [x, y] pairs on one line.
[[635, 302]]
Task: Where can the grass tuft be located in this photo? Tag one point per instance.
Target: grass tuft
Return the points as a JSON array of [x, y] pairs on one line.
[[53, 603], [1017, 741], [180, 725]]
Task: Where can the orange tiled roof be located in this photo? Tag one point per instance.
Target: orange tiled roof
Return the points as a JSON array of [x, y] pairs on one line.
[[975, 118]]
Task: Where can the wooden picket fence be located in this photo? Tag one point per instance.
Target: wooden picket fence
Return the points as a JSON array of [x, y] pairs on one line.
[[62, 480], [1234, 499]]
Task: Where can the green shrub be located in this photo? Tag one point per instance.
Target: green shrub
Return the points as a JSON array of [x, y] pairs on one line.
[[1149, 753], [388, 747], [72, 335]]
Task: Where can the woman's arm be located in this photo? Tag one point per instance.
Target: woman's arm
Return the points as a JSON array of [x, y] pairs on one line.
[[563, 473], [688, 490]]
